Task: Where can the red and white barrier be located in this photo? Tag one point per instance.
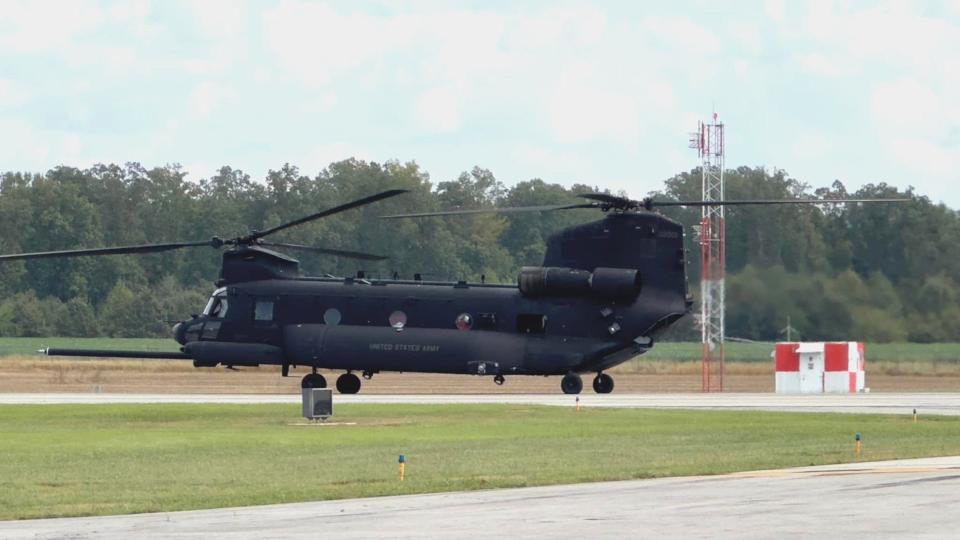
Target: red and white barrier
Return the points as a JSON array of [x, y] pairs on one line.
[[814, 368]]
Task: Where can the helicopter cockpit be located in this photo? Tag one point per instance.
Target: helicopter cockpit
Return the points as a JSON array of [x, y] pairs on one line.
[[206, 325]]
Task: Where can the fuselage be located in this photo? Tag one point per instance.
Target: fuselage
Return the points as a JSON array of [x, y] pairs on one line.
[[392, 325]]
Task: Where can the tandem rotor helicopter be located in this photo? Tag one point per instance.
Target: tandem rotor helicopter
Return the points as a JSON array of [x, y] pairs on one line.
[[604, 292]]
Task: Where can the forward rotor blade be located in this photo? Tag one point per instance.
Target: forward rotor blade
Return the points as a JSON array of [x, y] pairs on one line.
[[505, 210], [120, 250], [336, 252], [611, 199], [655, 204], [329, 212]]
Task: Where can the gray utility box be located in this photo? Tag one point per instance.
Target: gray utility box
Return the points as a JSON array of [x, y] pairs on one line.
[[317, 403]]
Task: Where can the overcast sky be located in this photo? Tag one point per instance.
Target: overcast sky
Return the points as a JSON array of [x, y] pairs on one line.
[[602, 93]]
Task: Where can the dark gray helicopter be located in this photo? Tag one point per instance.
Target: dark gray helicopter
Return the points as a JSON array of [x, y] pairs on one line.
[[606, 289]]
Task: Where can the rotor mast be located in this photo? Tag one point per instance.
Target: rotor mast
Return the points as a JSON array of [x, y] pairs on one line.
[[709, 143]]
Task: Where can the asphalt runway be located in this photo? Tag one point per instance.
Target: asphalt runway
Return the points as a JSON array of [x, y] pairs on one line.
[[914, 498], [924, 403]]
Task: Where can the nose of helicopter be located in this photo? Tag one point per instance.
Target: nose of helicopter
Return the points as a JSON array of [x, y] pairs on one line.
[[179, 333]]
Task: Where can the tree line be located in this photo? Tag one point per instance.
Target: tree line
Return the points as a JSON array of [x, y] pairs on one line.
[[883, 272]]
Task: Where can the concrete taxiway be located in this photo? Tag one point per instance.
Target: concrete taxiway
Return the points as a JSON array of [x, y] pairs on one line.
[[894, 499], [924, 403]]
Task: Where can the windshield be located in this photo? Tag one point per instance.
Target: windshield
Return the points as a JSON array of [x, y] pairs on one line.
[[217, 306]]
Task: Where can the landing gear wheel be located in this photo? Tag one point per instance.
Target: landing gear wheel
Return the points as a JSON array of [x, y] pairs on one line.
[[603, 383], [571, 384], [348, 383], [499, 379], [313, 380]]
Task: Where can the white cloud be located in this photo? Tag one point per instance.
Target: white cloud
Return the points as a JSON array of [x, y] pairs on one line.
[[582, 109], [681, 34], [23, 146], [129, 11], [119, 57], [208, 96], [927, 158], [576, 90], [72, 144], [888, 33], [321, 156], [34, 26], [824, 66], [322, 103], [915, 125], [811, 146], [134, 16], [908, 106], [315, 41], [953, 7], [775, 9], [747, 35], [553, 163], [218, 19], [438, 109], [198, 170], [12, 94]]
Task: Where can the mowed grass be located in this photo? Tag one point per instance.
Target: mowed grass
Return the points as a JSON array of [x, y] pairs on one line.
[[30, 346], [113, 459], [760, 352]]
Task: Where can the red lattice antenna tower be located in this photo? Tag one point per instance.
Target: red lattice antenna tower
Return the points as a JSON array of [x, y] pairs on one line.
[[709, 143]]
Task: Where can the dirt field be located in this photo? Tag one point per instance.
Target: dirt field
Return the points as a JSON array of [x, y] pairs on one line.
[[32, 374]]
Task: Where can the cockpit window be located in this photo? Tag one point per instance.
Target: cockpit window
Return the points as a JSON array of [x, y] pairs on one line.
[[218, 309], [217, 306]]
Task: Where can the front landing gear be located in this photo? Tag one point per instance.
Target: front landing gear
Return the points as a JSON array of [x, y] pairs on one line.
[[348, 383], [313, 380], [498, 379], [571, 384], [603, 383]]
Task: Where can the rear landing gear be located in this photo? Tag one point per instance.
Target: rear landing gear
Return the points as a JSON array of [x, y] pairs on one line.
[[498, 379], [348, 383], [313, 380], [603, 383], [571, 384]]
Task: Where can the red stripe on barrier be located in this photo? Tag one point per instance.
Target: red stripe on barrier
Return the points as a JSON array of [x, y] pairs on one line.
[[836, 357], [787, 357]]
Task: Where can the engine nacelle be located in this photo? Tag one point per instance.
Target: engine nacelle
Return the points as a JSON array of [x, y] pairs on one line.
[[616, 282], [621, 283], [211, 353], [540, 281]]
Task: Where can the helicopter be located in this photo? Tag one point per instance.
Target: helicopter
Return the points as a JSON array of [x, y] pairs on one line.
[[604, 292]]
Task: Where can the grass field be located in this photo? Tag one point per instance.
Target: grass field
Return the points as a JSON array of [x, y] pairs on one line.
[[673, 351], [110, 459], [760, 352], [668, 367], [30, 346]]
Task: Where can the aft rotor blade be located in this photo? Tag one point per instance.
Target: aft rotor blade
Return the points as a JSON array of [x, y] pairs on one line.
[[655, 204], [329, 212], [121, 250], [505, 210], [336, 252]]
